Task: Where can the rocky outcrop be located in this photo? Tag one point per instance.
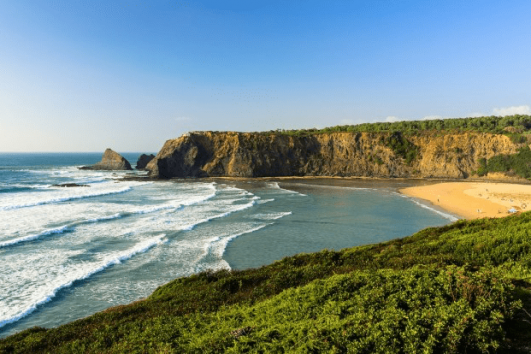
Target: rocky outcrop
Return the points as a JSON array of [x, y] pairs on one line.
[[111, 161], [458, 155], [231, 154], [143, 160]]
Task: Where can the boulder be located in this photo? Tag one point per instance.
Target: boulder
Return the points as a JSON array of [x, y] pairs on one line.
[[110, 161], [143, 160]]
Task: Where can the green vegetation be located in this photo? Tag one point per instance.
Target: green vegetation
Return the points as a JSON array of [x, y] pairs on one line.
[[453, 289], [518, 164], [402, 147], [516, 126], [394, 135]]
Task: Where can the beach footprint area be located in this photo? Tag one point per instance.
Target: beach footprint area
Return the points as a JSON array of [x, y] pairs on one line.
[[66, 253]]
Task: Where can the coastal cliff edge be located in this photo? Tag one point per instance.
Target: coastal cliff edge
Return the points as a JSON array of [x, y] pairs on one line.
[[343, 154]]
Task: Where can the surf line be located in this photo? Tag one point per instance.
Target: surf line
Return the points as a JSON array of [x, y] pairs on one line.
[[275, 185], [72, 227], [118, 258], [66, 198], [253, 202], [447, 216], [217, 246]]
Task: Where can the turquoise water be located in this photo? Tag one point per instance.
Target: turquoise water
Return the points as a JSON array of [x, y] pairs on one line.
[[66, 253]]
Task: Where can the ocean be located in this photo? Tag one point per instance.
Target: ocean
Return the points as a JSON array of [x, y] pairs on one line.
[[66, 253]]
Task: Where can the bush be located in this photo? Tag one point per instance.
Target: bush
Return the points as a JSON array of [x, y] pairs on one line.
[[402, 147], [519, 163]]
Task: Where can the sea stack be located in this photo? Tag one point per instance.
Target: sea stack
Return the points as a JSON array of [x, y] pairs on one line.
[[111, 161], [143, 160]]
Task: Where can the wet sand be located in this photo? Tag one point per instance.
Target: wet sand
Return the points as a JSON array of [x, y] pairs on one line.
[[475, 200]]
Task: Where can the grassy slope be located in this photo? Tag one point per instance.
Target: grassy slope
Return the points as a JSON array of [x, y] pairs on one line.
[[447, 289]]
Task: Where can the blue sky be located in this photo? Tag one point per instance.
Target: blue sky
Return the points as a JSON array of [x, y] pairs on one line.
[[87, 75]]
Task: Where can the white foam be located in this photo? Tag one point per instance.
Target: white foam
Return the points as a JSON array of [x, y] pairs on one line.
[[216, 246], [65, 171], [271, 216], [176, 204], [57, 262], [21, 185], [275, 185], [447, 216], [221, 244], [239, 191], [326, 186], [25, 224], [27, 199], [63, 276], [17, 223], [12, 242], [48, 172], [21, 225], [152, 209], [221, 215], [105, 218]]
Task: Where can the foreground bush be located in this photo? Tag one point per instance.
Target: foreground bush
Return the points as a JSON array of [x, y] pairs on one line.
[[449, 310]]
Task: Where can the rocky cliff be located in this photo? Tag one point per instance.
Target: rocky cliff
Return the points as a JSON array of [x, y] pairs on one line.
[[231, 154], [143, 160], [111, 160]]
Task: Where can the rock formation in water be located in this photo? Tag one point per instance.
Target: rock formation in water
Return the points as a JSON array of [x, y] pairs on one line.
[[143, 160], [111, 161], [231, 154]]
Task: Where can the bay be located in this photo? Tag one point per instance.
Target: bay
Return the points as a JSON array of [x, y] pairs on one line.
[[66, 253]]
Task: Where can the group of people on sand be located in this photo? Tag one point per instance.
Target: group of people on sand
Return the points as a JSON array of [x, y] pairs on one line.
[[472, 200]]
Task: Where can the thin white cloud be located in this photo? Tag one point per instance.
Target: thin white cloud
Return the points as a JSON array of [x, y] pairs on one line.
[[432, 117], [476, 115], [504, 111], [509, 111], [391, 119], [182, 119]]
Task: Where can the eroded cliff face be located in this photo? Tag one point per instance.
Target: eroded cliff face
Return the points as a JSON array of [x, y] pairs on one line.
[[231, 154], [458, 155]]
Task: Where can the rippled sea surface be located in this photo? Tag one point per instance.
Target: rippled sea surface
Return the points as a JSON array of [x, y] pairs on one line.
[[66, 253]]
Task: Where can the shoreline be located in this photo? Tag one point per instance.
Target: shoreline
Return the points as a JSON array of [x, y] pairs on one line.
[[495, 178], [467, 199], [475, 200]]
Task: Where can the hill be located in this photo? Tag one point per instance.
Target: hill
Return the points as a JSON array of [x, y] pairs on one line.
[[460, 288], [450, 148]]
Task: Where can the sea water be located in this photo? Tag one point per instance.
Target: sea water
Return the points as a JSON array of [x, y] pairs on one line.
[[66, 253]]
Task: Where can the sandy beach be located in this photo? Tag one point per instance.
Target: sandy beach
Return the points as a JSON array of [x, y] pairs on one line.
[[475, 200]]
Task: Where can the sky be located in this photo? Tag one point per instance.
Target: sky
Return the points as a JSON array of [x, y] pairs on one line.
[[84, 75]]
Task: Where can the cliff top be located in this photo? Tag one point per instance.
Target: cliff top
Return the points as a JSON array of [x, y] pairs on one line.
[[515, 126], [510, 125]]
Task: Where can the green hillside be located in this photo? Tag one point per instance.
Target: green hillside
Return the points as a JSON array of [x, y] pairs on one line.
[[453, 289]]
